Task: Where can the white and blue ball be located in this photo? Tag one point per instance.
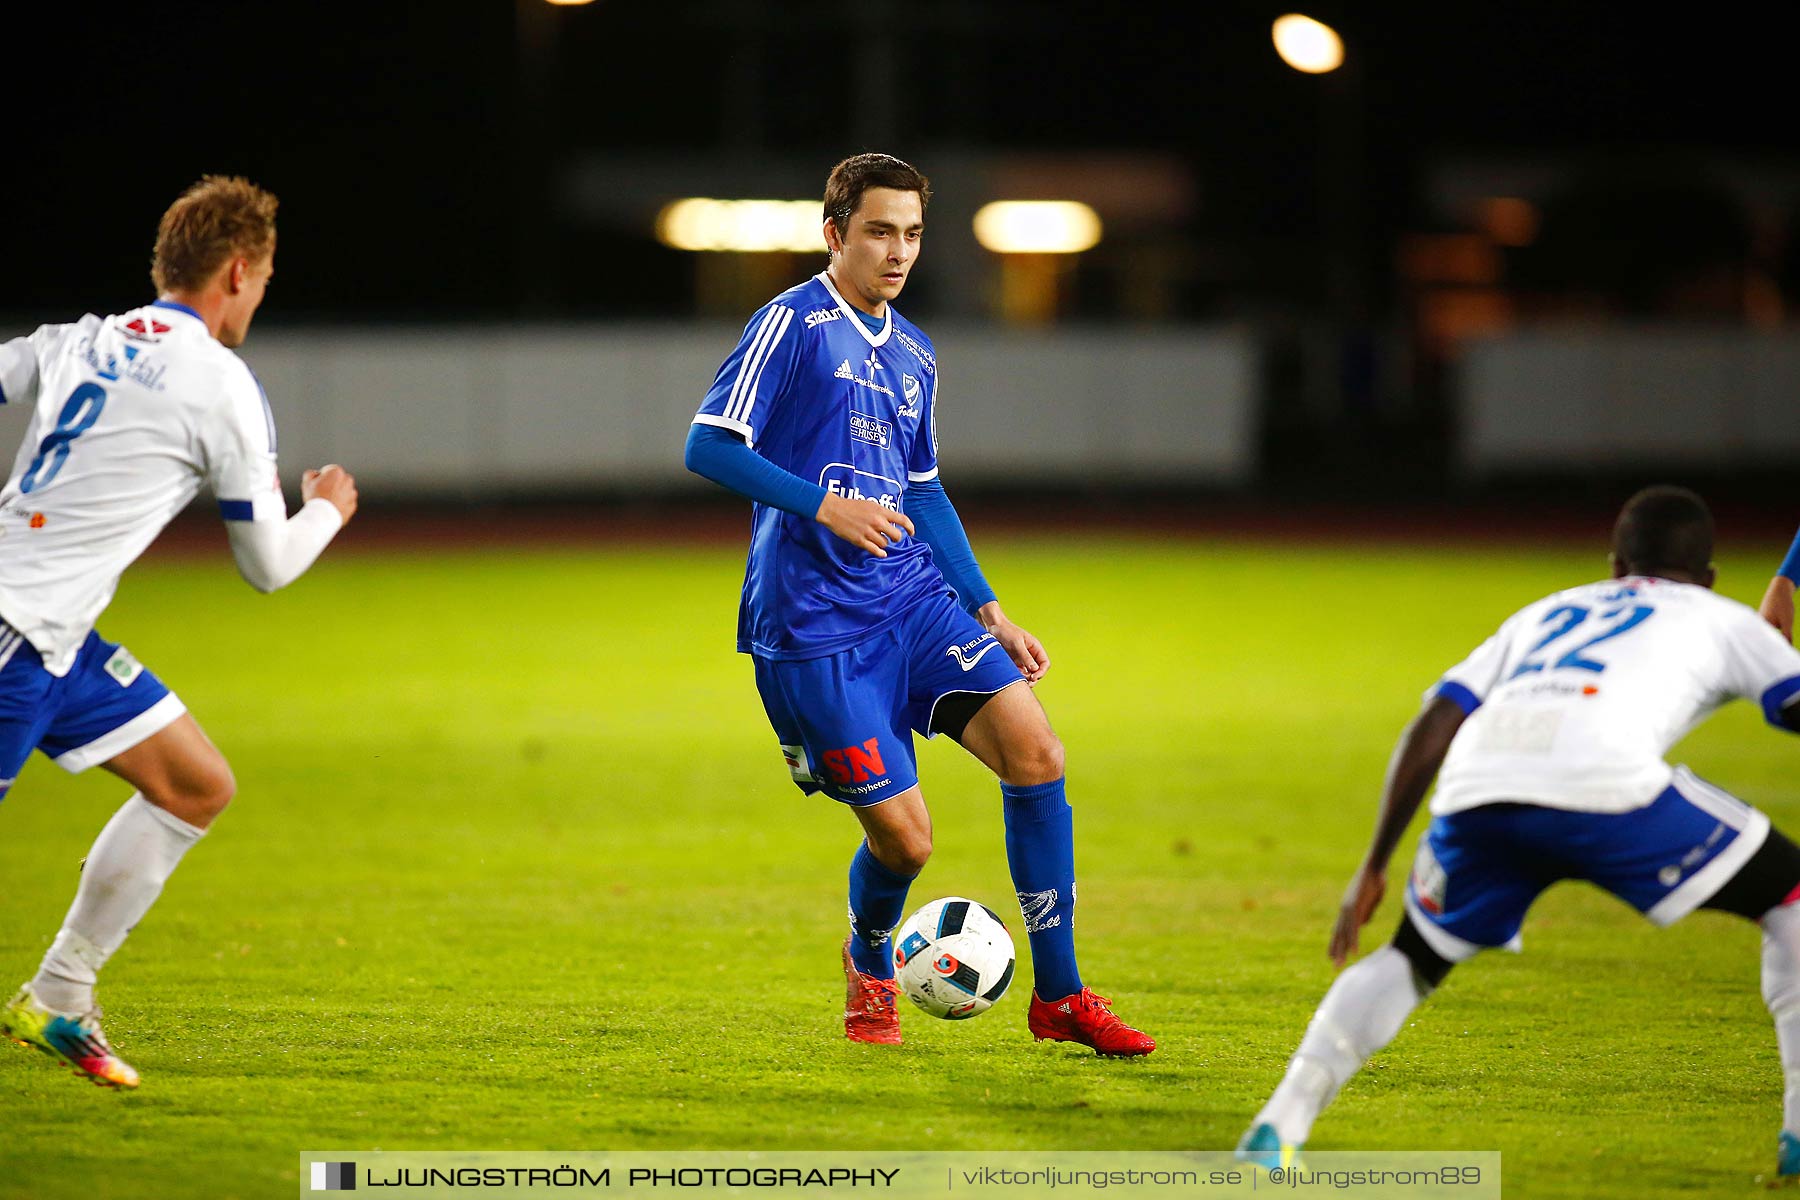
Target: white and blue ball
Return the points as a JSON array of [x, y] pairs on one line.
[[953, 958]]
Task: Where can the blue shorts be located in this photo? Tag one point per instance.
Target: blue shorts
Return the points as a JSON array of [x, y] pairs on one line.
[[1479, 870], [845, 721], [105, 705]]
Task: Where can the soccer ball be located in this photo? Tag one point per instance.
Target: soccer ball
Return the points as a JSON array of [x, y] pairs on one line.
[[953, 958]]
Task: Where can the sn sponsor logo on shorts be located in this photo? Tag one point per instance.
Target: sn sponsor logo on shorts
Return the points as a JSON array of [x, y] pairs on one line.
[[872, 430], [964, 658], [854, 764]]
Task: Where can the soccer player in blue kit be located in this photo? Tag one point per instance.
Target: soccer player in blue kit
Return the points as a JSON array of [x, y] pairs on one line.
[[863, 606]]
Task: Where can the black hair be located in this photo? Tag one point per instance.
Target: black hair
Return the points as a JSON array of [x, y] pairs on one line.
[[1664, 528]]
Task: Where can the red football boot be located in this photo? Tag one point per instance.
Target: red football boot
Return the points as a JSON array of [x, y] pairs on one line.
[[1086, 1018], [869, 1012]]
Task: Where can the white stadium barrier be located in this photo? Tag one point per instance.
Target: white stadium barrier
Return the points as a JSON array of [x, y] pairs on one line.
[[449, 410], [1558, 401]]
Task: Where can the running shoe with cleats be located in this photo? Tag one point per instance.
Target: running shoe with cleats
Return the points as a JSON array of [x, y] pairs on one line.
[[870, 1014], [75, 1041], [1262, 1147], [1087, 1018]]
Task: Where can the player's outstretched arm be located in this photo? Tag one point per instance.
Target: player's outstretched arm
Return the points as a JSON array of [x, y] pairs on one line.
[[1778, 602], [1778, 605], [1414, 765], [18, 372], [272, 554]]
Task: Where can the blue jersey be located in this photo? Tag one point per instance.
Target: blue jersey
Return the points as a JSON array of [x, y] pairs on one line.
[[819, 394]]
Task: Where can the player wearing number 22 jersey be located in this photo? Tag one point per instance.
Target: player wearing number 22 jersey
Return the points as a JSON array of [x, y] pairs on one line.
[[864, 609], [132, 414], [1548, 744]]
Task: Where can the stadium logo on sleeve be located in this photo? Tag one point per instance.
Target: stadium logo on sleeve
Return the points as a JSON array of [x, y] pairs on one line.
[[334, 1177], [872, 430]]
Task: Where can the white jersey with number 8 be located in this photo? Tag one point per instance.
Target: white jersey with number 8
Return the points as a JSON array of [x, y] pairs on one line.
[[132, 414]]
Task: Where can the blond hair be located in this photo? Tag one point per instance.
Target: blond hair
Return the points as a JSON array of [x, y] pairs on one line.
[[220, 218]]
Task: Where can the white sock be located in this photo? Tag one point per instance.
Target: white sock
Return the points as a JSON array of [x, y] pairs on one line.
[[131, 859], [1360, 1014], [1781, 992]]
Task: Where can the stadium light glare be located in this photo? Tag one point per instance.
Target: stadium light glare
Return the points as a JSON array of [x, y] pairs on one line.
[[745, 226], [1037, 226], [570, 3], [1308, 45]]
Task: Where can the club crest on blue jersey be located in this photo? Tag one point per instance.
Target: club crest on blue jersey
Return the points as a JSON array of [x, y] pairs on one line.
[[911, 391]]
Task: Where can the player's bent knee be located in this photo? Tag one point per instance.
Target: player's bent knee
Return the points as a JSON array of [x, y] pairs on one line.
[[906, 855], [1429, 967], [1038, 761], [199, 797], [221, 791]]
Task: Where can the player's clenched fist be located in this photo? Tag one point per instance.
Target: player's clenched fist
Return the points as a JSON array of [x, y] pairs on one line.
[[331, 482], [863, 523]]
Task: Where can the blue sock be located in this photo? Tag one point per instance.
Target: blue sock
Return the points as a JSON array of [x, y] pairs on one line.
[[877, 902], [1040, 849]]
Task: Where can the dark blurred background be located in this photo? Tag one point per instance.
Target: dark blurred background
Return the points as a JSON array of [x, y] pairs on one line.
[[1523, 250]]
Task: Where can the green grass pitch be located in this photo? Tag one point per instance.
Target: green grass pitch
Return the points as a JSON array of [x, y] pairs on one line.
[[515, 865]]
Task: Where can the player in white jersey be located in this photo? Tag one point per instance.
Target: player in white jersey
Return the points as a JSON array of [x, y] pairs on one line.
[[1550, 738], [133, 413]]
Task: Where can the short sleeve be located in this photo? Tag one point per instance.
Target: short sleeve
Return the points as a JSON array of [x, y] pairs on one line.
[[755, 374], [1759, 664], [922, 464], [18, 372], [1468, 683], [239, 451]]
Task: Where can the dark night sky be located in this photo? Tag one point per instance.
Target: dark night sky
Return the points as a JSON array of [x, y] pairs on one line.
[[388, 129]]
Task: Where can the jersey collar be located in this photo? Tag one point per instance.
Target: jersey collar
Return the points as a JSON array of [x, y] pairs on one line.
[[181, 308], [874, 339]]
